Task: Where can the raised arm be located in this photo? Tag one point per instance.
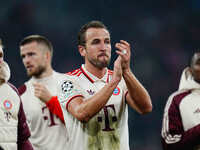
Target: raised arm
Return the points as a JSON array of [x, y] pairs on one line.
[[137, 97], [84, 109]]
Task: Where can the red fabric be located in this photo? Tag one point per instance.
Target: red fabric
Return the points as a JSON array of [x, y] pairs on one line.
[[23, 131], [26, 145], [55, 107]]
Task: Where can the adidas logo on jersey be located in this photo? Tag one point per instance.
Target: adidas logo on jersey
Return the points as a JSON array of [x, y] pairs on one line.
[[90, 92]]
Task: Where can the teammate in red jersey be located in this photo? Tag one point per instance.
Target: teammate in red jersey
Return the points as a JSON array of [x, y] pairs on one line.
[[47, 130], [94, 100], [181, 119], [14, 130]]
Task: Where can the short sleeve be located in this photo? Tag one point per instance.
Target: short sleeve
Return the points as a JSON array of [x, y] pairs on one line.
[[67, 90], [124, 87]]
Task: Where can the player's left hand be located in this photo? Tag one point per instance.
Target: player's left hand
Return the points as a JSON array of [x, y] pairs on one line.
[[124, 51], [41, 92], [117, 72]]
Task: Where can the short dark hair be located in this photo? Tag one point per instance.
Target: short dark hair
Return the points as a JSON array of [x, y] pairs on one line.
[[39, 39], [84, 28]]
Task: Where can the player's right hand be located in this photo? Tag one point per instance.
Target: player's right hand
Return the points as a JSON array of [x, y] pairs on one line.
[[42, 92]]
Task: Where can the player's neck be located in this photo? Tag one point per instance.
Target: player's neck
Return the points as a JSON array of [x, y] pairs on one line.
[[48, 72], [2, 81], [99, 73]]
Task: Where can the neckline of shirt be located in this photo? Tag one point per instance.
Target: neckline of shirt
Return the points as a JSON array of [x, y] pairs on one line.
[[45, 78], [92, 77]]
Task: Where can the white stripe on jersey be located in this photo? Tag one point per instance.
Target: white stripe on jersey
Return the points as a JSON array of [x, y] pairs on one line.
[[165, 124]]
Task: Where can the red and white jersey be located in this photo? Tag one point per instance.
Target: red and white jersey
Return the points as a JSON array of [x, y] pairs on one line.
[[47, 130], [108, 129], [181, 119], [14, 132]]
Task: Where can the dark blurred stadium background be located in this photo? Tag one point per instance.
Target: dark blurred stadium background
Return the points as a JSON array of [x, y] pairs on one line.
[[163, 35]]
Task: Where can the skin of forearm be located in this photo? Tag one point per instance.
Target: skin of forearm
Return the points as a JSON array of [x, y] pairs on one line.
[[93, 105], [137, 92]]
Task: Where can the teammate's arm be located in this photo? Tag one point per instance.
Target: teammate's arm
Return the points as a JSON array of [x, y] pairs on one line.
[[173, 135], [23, 131], [137, 97], [188, 140]]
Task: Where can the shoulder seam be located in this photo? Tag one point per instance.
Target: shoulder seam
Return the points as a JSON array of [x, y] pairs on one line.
[[76, 72], [22, 89]]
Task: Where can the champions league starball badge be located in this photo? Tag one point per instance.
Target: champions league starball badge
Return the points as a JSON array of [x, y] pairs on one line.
[[67, 87]]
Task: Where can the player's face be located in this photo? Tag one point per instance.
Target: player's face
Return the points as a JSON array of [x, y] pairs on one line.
[[33, 58], [4, 68], [1, 54], [98, 47], [196, 67]]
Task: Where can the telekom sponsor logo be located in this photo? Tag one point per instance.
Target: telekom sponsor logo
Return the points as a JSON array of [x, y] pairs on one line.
[[90, 92]]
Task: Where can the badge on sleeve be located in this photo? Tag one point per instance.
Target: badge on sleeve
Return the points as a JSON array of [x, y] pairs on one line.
[[67, 87], [67, 90]]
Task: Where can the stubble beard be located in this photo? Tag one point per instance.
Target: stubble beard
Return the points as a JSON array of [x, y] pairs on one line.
[[99, 64], [38, 72], [4, 72]]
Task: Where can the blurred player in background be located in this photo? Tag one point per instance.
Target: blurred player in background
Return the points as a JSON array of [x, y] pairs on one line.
[[94, 100], [181, 119], [14, 131], [47, 130]]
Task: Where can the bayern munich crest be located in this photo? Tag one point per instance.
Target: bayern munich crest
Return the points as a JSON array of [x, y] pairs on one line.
[[116, 91], [7, 104]]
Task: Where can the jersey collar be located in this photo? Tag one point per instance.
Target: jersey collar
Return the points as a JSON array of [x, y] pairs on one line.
[[92, 78], [45, 78]]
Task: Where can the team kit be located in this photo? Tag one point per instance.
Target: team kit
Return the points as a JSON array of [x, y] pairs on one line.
[[87, 108]]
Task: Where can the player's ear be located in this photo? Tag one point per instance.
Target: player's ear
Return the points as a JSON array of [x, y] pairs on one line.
[[82, 50], [47, 55], [190, 69]]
